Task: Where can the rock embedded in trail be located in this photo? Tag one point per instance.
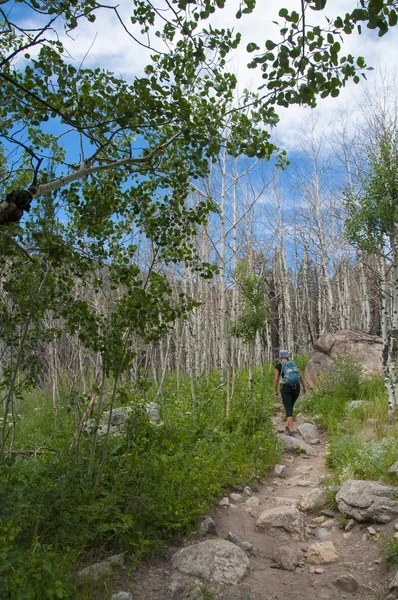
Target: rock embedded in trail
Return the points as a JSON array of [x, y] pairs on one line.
[[213, 560], [122, 596], [239, 540], [346, 583], [287, 557], [322, 553], [253, 501], [224, 502], [242, 591], [367, 501], [281, 501], [280, 470], [293, 444], [247, 491], [313, 500], [286, 517], [207, 526], [236, 497], [309, 432]]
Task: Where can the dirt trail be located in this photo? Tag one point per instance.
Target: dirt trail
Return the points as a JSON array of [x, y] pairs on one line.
[[358, 550]]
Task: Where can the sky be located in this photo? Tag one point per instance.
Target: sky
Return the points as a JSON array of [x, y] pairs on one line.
[[106, 44]]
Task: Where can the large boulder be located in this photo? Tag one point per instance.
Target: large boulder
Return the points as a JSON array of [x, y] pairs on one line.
[[367, 501], [363, 347], [214, 560]]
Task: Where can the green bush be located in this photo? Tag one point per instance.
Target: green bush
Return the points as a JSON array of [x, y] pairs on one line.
[[156, 483]]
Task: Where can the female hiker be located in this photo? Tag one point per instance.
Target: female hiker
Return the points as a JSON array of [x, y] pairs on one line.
[[290, 376]]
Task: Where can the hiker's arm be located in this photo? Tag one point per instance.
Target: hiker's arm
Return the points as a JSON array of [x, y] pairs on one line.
[[276, 378], [303, 383]]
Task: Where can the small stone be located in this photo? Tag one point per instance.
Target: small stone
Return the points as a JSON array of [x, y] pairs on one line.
[[371, 531], [346, 583], [350, 525], [304, 483], [236, 497], [319, 571], [287, 557], [280, 470], [207, 525], [122, 596], [247, 491], [277, 406], [347, 535], [318, 520], [322, 553], [253, 501], [233, 506], [224, 502], [394, 468], [396, 525], [239, 540], [315, 441], [311, 570]]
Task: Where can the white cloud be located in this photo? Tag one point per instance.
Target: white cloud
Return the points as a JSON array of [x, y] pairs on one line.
[[106, 44]]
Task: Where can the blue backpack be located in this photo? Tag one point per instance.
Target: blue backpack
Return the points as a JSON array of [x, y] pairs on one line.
[[290, 373]]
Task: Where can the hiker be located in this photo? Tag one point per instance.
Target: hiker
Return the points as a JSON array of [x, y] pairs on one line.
[[290, 386]]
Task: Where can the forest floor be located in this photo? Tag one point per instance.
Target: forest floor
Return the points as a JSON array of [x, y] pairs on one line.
[[358, 550]]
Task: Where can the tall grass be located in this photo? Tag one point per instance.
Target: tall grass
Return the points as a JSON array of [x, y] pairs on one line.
[[157, 481], [363, 443]]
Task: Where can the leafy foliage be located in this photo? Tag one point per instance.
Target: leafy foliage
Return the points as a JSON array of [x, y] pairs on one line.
[[157, 482], [372, 216]]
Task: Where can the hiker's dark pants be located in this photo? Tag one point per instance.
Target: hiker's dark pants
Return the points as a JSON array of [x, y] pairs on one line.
[[289, 396]]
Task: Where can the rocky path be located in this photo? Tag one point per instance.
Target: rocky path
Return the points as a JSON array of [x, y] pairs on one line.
[[282, 543]]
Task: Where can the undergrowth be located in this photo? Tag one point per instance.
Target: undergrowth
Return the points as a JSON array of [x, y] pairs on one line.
[[156, 483], [363, 443]]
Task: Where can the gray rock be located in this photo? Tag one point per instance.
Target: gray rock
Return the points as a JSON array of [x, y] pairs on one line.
[[278, 406], [286, 517], [280, 470], [122, 596], [213, 560], [242, 591], [152, 410], [350, 525], [174, 589], [293, 444], [247, 491], [355, 404], [287, 557], [195, 594], [308, 431], [322, 534], [346, 583], [367, 501], [236, 497], [224, 502], [394, 468], [394, 582], [314, 500], [253, 501], [239, 540], [100, 570], [207, 526]]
